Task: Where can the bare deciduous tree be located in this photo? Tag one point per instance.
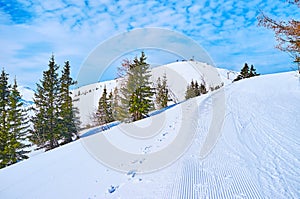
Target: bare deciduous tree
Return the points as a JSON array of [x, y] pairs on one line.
[[287, 33]]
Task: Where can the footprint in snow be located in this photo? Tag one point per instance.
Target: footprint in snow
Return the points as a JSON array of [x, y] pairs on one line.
[[132, 173], [147, 149], [112, 189]]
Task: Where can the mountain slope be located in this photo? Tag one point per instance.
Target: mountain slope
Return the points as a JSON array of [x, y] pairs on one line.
[[27, 95], [257, 154], [179, 75]]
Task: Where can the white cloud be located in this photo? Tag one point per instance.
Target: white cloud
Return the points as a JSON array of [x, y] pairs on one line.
[[52, 5], [71, 30]]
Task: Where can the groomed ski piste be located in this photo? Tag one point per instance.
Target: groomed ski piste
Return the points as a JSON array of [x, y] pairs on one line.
[[257, 153]]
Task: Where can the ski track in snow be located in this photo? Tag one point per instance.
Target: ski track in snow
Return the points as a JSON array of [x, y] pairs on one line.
[[258, 159], [268, 150], [207, 178]]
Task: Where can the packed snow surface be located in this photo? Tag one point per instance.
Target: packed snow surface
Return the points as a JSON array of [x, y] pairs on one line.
[[257, 154]]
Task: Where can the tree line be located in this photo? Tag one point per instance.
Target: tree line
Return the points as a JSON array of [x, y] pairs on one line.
[[194, 89], [54, 122], [137, 95], [246, 72]]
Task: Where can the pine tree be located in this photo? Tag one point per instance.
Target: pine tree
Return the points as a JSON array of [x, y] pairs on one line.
[[4, 126], [13, 123], [121, 104], [193, 85], [18, 126], [116, 105], [197, 89], [110, 109], [69, 122], [245, 71], [253, 72], [137, 93], [194, 90], [191, 90], [105, 112], [162, 92], [202, 88], [47, 125], [102, 112]]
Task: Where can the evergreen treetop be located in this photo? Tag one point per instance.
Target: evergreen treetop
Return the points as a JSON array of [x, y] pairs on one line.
[[136, 94], [13, 123], [162, 92], [194, 90], [104, 113], [55, 120], [246, 72]]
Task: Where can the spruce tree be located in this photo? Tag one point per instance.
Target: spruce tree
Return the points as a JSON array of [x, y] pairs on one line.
[[69, 122], [202, 88], [192, 85], [253, 72], [18, 126], [116, 105], [136, 95], [197, 89], [47, 125], [191, 90], [162, 92], [13, 123], [4, 126], [245, 71], [110, 105], [188, 92], [102, 112]]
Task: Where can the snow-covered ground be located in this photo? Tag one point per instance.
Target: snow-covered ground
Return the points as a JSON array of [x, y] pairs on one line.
[[27, 95], [256, 156], [179, 75]]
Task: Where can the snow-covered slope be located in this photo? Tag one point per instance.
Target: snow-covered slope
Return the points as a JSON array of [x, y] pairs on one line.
[[179, 74], [257, 154], [86, 99], [27, 95], [227, 76]]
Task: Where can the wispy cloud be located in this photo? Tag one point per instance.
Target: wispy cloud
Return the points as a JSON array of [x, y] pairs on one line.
[[32, 30]]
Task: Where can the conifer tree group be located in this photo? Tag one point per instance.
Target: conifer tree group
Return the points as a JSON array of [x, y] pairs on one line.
[[194, 89], [135, 96], [14, 124], [246, 72], [134, 99], [55, 121], [104, 112], [162, 92]]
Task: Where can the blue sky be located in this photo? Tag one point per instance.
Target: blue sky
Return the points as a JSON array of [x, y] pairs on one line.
[[31, 30]]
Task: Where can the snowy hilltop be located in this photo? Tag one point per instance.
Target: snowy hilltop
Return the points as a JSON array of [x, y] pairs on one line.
[[178, 74], [256, 153], [27, 95]]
